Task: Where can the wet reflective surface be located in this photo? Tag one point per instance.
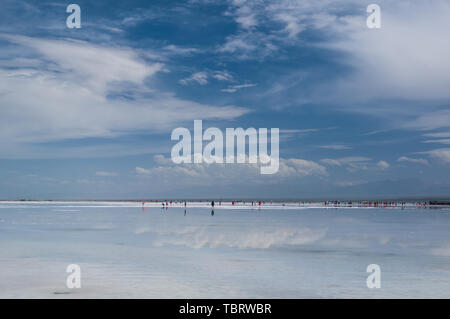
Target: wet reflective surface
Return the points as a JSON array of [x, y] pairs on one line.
[[125, 250]]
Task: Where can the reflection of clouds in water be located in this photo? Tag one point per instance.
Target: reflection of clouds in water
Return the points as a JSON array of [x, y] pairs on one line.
[[181, 231], [443, 251], [356, 241], [344, 242], [103, 227], [199, 237], [269, 254], [142, 230]]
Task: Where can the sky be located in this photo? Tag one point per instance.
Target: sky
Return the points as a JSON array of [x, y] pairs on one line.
[[88, 113]]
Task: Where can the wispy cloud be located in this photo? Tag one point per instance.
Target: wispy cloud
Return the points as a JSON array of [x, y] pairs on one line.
[[234, 88], [173, 49], [229, 173], [198, 77], [106, 174], [413, 160], [299, 131], [87, 90], [336, 147], [378, 69], [356, 163], [222, 76], [438, 135], [442, 154], [345, 160], [350, 183], [383, 165], [439, 141]]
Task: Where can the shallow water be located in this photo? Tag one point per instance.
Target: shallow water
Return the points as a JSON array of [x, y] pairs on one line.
[[275, 252]]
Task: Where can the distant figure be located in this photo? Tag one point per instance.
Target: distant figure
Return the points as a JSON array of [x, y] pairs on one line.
[[185, 204], [212, 204]]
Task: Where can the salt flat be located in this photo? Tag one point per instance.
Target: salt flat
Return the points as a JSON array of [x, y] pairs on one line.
[[240, 251]]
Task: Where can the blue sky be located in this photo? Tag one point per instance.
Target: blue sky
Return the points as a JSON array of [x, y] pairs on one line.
[[87, 113]]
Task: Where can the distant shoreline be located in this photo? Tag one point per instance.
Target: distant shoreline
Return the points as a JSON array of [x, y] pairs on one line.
[[428, 200]]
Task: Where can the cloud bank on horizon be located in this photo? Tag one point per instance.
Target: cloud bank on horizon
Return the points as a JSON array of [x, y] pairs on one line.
[[87, 113]]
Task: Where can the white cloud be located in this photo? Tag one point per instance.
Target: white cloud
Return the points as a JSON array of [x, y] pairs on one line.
[[430, 120], [438, 135], [237, 43], [378, 56], [383, 165], [202, 77], [350, 183], [142, 171], [234, 88], [345, 160], [301, 167], [292, 24], [356, 163], [248, 45], [70, 89], [92, 65], [406, 57], [244, 15], [336, 147], [440, 141], [442, 154], [105, 174], [284, 19], [160, 159], [229, 173], [248, 21], [399, 72], [413, 160], [406, 60], [222, 76], [173, 49], [198, 77]]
